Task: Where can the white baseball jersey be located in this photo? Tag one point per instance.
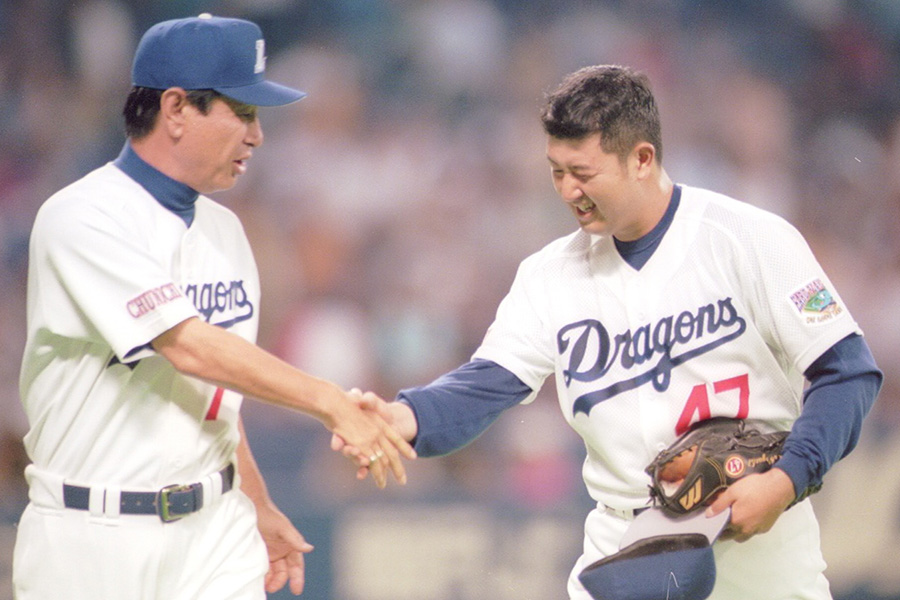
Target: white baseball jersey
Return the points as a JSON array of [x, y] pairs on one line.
[[111, 269], [722, 320]]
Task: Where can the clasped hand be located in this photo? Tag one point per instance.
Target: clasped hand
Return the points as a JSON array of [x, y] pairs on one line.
[[381, 455], [399, 422]]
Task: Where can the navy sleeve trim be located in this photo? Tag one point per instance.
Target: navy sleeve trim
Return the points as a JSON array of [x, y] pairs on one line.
[[453, 410], [843, 385]]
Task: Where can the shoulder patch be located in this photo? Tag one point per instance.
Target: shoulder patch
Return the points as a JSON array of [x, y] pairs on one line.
[[815, 303]]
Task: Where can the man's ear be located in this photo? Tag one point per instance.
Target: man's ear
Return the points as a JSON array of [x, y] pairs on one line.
[[172, 111], [643, 157]]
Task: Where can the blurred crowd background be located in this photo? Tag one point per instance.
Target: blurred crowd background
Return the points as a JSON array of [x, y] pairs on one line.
[[390, 208]]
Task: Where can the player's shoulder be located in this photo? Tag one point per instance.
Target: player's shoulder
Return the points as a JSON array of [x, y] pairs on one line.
[[106, 180], [109, 192], [105, 189], [719, 211], [215, 209], [571, 247]]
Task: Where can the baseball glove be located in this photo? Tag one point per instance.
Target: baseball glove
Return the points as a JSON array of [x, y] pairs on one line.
[[706, 459]]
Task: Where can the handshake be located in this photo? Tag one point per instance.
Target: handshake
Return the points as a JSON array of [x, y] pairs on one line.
[[374, 435]]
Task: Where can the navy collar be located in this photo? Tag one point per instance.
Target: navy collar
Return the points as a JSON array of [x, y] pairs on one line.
[[638, 252], [174, 195]]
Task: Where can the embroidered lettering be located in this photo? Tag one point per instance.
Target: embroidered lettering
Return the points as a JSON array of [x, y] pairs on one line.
[[592, 352], [220, 300], [149, 300]]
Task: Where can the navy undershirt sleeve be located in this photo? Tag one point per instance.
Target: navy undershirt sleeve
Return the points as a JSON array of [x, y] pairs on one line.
[[843, 384], [457, 407]]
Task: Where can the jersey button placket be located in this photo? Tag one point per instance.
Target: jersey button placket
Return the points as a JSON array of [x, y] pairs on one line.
[[637, 310], [636, 305]]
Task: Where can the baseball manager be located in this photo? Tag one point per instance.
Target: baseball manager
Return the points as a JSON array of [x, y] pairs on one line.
[[143, 308]]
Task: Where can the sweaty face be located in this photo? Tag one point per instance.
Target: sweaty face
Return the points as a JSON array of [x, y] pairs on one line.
[[216, 146], [595, 185]]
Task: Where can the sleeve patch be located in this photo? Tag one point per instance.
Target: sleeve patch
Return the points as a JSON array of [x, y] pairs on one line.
[[815, 303]]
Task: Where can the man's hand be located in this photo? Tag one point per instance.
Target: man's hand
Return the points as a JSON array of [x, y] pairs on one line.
[[397, 415], [383, 452], [286, 547], [756, 502]]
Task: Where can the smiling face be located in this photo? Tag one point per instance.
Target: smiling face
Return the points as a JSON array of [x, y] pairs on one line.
[[214, 148], [599, 187]]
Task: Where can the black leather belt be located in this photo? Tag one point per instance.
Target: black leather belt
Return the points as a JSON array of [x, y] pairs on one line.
[[170, 503]]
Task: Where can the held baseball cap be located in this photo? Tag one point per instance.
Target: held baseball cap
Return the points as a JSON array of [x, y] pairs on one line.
[[660, 557], [206, 52]]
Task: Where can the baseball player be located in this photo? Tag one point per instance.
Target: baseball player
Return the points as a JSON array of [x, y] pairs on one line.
[[143, 307], [670, 305]]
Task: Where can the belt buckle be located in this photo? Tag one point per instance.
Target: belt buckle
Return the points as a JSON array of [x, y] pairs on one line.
[[162, 503]]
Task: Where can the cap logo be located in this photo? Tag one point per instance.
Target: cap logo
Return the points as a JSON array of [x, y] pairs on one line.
[[260, 65]]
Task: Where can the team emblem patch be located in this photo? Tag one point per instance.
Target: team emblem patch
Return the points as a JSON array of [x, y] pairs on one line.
[[815, 303]]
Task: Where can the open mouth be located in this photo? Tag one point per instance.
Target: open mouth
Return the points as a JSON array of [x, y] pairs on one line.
[[584, 207]]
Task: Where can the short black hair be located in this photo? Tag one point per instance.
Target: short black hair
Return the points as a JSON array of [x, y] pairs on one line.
[[614, 101], [142, 108]]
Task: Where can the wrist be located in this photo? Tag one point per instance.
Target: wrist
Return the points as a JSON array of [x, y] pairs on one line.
[[404, 420], [784, 485], [327, 402]]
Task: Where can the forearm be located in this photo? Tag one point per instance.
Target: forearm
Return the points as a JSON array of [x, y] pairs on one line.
[[224, 359], [457, 407]]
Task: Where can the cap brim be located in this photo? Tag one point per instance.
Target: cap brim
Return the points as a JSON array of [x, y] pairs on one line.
[[653, 522], [263, 93]]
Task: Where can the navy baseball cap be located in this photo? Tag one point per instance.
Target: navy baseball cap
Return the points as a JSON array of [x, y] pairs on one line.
[[665, 568], [206, 52], [660, 557]]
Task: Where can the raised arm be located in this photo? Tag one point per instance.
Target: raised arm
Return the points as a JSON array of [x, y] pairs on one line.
[[210, 353]]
